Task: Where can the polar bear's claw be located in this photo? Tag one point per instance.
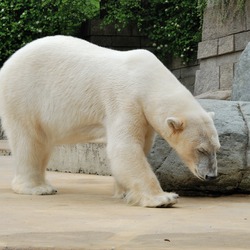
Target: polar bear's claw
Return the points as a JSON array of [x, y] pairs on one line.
[[162, 200]]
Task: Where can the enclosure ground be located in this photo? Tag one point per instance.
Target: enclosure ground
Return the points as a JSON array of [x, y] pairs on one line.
[[83, 215]]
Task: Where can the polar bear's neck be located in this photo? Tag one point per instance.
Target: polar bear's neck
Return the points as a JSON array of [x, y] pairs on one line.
[[168, 102]]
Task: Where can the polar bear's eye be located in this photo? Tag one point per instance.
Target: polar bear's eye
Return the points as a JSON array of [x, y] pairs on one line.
[[202, 151]]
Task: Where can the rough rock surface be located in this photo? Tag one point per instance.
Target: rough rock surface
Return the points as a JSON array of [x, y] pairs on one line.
[[216, 95], [241, 83], [80, 158], [231, 121]]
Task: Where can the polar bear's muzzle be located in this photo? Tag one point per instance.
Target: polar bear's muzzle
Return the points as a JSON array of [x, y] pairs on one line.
[[206, 169]]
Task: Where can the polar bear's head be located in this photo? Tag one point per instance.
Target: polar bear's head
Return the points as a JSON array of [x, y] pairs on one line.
[[195, 139]]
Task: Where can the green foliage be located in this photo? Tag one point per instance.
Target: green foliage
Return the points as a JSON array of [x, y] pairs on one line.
[[22, 21], [173, 26]]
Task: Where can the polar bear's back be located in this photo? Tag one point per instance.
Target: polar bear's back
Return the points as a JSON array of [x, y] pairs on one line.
[[58, 46], [60, 50], [58, 53], [63, 58]]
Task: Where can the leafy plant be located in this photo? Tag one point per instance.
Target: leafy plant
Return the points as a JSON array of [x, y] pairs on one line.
[[173, 26], [22, 21]]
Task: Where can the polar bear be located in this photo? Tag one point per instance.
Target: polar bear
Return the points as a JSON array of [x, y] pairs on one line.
[[62, 90]]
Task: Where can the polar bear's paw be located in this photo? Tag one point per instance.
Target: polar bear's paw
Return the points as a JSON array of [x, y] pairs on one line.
[[25, 188], [45, 189], [161, 200]]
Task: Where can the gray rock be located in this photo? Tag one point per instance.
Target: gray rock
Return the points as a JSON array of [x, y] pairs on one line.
[[216, 95], [231, 121], [241, 83]]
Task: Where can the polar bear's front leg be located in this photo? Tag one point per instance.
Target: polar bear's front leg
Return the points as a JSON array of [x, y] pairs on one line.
[[135, 178]]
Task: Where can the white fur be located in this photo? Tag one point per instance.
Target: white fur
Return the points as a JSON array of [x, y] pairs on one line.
[[60, 90]]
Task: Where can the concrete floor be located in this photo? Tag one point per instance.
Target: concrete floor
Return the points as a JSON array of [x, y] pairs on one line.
[[83, 215]]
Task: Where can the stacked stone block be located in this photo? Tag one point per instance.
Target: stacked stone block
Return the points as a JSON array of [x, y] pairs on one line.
[[126, 39], [184, 73], [225, 35]]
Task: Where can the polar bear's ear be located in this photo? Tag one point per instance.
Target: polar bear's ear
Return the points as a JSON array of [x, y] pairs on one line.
[[175, 123], [211, 114]]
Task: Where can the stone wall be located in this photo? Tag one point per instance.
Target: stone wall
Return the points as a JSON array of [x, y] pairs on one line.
[[184, 73], [225, 35], [126, 39]]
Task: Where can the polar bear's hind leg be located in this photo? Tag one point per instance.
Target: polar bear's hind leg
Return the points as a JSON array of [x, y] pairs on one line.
[[31, 155]]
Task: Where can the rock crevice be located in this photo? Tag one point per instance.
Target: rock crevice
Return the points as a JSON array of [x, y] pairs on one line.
[[244, 118]]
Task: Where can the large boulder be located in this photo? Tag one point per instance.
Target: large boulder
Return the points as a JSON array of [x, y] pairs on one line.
[[241, 83], [232, 120]]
